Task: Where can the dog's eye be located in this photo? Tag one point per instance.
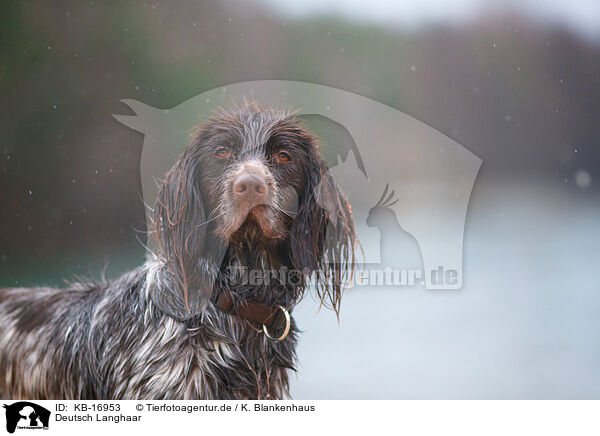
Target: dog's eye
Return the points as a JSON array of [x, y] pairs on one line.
[[283, 157], [222, 153]]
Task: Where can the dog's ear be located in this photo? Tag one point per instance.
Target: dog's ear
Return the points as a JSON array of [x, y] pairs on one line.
[[183, 283], [322, 235]]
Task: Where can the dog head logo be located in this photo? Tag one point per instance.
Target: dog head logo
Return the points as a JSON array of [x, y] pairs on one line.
[[409, 185], [26, 415]]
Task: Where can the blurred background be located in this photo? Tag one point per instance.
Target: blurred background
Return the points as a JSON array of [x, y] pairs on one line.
[[517, 83]]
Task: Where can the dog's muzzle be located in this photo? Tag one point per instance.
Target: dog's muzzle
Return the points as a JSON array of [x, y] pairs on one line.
[[250, 189]]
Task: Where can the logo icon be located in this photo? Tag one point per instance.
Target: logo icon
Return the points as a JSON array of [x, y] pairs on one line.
[[26, 415], [422, 178]]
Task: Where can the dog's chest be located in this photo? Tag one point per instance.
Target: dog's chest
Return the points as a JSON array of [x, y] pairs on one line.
[[178, 363]]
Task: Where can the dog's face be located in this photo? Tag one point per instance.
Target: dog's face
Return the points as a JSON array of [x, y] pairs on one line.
[[252, 179], [253, 167]]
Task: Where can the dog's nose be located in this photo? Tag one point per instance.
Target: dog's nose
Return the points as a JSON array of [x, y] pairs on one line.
[[250, 186]]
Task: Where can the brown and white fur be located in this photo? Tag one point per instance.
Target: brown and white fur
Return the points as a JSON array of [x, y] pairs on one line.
[[154, 333]]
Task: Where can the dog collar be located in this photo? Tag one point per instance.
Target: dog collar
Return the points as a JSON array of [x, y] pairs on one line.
[[270, 317]]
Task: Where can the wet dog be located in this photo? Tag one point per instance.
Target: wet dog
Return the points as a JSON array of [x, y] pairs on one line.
[[205, 317]]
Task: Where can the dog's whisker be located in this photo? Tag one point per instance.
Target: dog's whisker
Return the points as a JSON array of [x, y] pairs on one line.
[[213, 212], [210, 220], [289, 213]]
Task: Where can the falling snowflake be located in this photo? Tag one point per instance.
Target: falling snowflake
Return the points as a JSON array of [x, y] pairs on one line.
[[583, 178]]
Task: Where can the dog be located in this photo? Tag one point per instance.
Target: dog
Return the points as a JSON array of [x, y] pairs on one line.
[[204, 317]]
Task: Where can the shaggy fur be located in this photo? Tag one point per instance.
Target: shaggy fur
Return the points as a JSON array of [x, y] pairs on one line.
[[155, 333]]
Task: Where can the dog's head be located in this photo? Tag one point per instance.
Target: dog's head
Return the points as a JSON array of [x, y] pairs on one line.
[[252, 177]]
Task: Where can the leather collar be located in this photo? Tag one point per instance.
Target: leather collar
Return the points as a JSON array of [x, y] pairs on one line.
[[268, 316]]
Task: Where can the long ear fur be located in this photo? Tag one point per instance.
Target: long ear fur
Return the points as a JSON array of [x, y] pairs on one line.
[[322, 237], [183, 285]]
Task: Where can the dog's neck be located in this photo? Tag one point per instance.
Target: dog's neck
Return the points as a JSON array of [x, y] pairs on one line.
[[261, 271], [252, 269], [220, 355]]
